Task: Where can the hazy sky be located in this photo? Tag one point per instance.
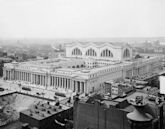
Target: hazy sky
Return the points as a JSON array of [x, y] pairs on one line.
[[81, 18]]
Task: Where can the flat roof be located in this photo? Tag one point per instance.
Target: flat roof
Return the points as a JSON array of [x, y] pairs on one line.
[[110, 103], [42, 111]]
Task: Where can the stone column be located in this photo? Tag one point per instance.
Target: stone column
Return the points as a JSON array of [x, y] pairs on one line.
[[31, 76], [36, 79], [65, 79], [85, 87], [4, 73], [19, 75], [59, 82], [71, 84], [41, 80], [51, 80], [80, 87], [44, 80], [12, 74], [23, 76], [27, 77], [76, 86], [9, 74], [48, 80], [43, 77], [62, 82], [54, 79], [66, 83], [15, 75]]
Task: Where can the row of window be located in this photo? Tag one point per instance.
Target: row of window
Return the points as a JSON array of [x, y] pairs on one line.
[[105, 71], [104, 53]]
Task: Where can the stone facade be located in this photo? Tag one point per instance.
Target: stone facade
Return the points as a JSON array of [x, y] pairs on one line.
[[105, 51], [81, 74]]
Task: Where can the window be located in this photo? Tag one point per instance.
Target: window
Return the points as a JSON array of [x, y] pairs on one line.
[[106, 53], [76, 51], [126, 53], [91, 52]]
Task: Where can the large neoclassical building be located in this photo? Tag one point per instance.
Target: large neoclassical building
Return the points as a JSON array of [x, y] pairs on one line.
[[84, 69]]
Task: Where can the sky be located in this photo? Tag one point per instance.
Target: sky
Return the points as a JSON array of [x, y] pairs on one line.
[[81, 18]]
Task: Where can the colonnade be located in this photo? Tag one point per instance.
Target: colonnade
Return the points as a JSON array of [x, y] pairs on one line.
[[46, 80], [67, 83]]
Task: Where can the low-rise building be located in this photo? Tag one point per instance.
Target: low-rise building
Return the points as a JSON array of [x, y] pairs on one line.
[[104, 113], [46, 116]]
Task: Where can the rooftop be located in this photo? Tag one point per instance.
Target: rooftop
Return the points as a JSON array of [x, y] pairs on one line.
[[43, 110], [64, 66]]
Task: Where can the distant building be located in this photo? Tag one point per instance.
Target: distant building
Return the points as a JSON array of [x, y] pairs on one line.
[[99, 50], [3, 54], [116, 89], [150, 47], [84, 69], [5, 59], [57, 53]]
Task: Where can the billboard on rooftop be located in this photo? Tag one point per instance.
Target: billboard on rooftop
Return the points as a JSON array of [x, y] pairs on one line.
[[162, 84]]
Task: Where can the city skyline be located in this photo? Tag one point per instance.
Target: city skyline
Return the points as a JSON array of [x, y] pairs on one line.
[[81, 19]]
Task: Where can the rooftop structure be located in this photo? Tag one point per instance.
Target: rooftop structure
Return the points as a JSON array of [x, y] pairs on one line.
[[44, 115], [99, 50], [111, 113]]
